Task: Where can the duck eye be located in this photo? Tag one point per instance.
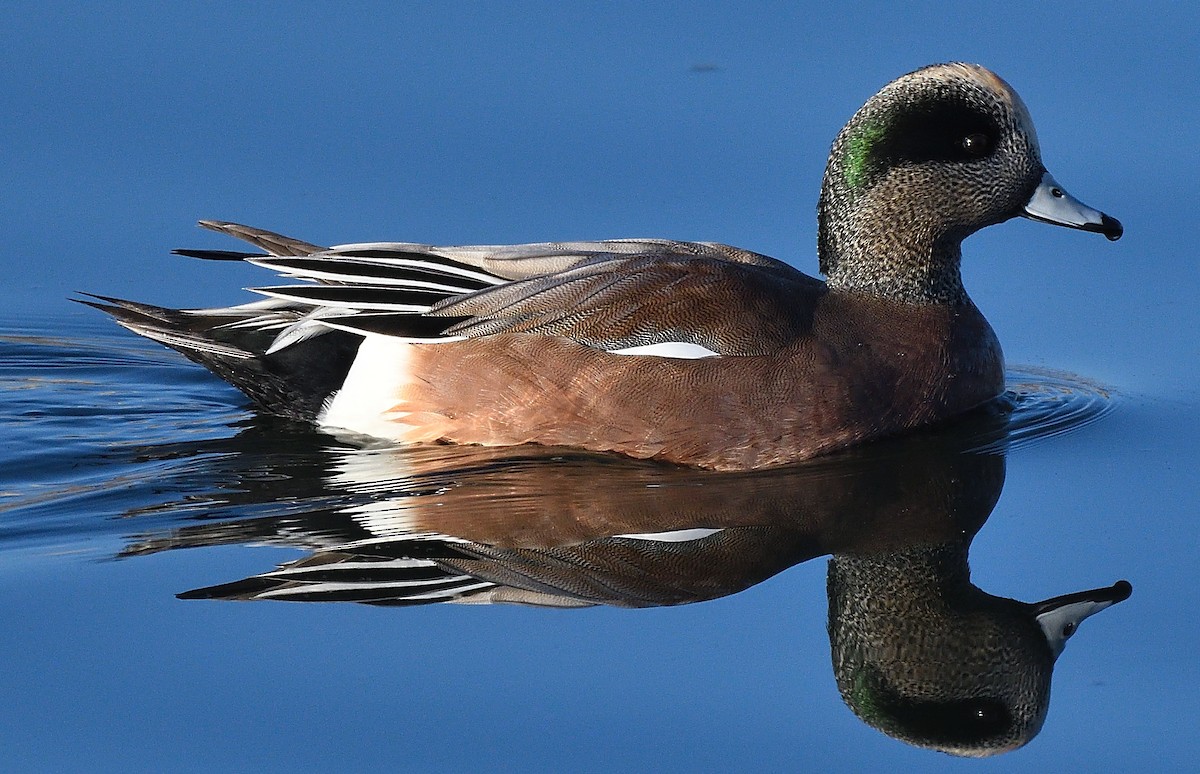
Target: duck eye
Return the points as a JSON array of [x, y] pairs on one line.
[[976, 144], [1068, 630]]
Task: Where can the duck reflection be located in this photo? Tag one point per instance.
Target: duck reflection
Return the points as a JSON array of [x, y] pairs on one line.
[[918, 651], [925, 656]]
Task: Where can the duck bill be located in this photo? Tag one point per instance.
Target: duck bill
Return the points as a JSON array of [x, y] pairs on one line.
[[1059, 617], [1051, 203]]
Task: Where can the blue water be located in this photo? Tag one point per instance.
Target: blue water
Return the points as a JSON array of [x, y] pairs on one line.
[[130, 476]]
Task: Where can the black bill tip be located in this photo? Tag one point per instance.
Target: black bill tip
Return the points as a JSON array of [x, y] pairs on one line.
[[1109, 226]]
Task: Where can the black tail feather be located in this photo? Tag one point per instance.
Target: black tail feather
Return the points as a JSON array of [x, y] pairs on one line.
[[293, 382], [218, 255]]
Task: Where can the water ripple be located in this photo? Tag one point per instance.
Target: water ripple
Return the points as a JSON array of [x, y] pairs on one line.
[[1044, 403]]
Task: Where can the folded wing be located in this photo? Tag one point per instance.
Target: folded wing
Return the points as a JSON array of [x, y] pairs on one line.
[[612, 295]]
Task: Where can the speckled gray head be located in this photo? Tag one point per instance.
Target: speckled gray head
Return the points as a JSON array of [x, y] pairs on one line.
[[933, 157], [928, 658]]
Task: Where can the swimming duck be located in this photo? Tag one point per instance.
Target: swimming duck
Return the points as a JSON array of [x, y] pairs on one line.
[[687, 352]]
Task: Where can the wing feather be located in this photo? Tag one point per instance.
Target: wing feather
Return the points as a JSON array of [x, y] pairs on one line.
[[611, 294], [729, 308]]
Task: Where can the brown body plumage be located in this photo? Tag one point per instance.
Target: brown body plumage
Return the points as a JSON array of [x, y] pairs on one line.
[[925, 362]]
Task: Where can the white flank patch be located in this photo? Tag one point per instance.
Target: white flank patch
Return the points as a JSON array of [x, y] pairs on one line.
[[676, 349], [390, 519], [369, 392]]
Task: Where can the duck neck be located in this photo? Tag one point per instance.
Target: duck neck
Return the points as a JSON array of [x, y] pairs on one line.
[[914, 271], [935, 579]]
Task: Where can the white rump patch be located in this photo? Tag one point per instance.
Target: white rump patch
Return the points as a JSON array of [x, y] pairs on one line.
[[364, 403], [677, 349]]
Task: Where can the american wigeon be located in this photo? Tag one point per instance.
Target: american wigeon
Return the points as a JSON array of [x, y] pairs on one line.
[[689, 352]]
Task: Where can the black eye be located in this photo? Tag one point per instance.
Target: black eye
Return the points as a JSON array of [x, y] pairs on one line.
[[1068, 630], [977, 144]]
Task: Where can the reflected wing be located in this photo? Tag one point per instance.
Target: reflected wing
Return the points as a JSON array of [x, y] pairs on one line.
[[647, 570]]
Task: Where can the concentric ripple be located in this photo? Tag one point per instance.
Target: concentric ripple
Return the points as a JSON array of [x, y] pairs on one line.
[[1044, 403]]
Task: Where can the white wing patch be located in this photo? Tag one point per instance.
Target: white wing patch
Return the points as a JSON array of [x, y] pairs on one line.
[[680, 350], [673, 536]]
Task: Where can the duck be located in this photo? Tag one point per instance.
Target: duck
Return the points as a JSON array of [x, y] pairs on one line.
[[692, 353]]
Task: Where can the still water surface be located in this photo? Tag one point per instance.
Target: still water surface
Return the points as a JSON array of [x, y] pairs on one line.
[[130, 477], [136, 485]]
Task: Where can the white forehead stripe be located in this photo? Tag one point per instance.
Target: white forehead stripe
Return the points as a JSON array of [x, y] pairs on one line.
[[1024, 119]]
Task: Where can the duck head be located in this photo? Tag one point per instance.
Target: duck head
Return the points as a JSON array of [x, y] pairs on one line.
[[933, 157], [928, 658]]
